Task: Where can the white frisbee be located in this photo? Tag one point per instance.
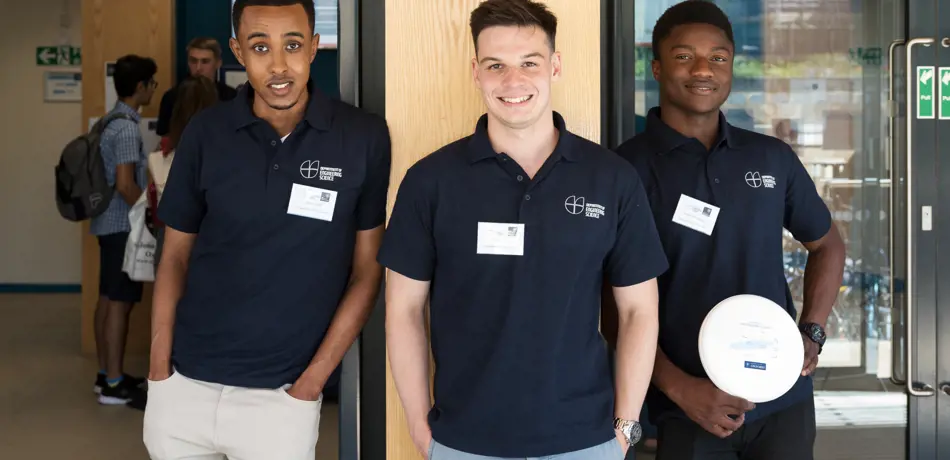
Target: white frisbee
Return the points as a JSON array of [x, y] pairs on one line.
[[751, 348]]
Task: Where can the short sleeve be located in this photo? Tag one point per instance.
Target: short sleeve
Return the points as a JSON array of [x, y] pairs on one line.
[[806, 214], [409, 245], [127, 143], [183, 205], [371, 209], [637, 254]]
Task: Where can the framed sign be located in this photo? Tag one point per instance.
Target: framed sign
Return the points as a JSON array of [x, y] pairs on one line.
[[62, 86]]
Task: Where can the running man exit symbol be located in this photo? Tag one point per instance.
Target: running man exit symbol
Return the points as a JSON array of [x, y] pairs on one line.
[[945, 93], [925, 92]]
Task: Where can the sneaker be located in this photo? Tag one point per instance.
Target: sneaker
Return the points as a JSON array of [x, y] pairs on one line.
[[120, 394], [139, 400], [101, 382]]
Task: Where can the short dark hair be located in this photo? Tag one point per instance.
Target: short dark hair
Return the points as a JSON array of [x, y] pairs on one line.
[[130, 70], [521, 13], [239, 6], [690, 12]]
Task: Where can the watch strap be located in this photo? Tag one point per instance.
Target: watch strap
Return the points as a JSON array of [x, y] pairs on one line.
[[809, 330], [630, 428]]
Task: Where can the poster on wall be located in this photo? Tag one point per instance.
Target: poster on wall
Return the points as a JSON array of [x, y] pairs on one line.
[[111, 96], [235, 78], [325, 22], [62, 86]]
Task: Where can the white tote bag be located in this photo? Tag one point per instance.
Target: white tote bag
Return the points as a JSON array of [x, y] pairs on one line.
[[139, 260]]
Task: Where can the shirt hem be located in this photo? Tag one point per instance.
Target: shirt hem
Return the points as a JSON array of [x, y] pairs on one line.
[[495, 446]]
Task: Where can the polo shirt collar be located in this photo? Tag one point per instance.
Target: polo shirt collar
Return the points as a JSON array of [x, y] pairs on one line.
[[127, 109], [665, 139], [480, 148], [318, 113]]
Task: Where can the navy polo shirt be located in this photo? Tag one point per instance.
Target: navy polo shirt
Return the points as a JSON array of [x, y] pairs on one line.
[[761, 187], [263, 285], [521, 367]]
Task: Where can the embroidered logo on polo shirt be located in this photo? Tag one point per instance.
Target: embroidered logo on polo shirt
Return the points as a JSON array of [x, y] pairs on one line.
[[756, 180], [577, 205], [311, 169], [574, 204]]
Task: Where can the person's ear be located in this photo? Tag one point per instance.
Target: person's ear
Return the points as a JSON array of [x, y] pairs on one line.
[[475, 77], [556, 66], [314, 46], [236, 50], [657, 69]]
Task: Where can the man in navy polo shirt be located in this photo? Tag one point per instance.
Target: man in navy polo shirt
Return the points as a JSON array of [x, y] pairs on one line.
[[274, 208], [510, 233], [689, 153]]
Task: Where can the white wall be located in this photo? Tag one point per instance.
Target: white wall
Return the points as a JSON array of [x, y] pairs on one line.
[[36, 245]]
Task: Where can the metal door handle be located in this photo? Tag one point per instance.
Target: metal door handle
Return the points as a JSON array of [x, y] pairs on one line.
[[945, 388], [913, 388], [896, 355]]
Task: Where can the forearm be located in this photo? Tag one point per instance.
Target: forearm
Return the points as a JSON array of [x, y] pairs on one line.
[[823, 273], [351, 316], [667, 376], [130, 193], [169, 286], [636, 348], [409, 361]]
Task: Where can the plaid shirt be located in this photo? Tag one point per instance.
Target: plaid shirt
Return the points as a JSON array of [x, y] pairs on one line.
[[121, 143]]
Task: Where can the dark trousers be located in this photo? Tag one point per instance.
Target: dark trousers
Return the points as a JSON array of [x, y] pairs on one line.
[[785, 435]]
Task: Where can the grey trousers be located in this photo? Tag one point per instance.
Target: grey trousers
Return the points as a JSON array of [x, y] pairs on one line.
[[607, 451]]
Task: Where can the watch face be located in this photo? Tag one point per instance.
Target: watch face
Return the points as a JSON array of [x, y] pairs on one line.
[[636, 432]]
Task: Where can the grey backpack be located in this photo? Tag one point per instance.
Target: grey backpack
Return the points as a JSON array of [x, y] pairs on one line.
[[82, 191]]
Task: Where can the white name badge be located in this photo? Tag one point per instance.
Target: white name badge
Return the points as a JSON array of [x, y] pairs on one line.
[[695, 214], [500, 239], [312, 202]]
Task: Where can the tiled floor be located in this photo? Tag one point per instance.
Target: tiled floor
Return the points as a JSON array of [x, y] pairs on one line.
[[48, 410]]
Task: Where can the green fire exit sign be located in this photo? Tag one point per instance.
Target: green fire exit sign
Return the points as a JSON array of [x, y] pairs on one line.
[[926, 92], [944, 81], [58, 56]]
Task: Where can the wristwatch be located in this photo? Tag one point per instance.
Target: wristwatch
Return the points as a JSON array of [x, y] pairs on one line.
[[630, 428], [815, 333]]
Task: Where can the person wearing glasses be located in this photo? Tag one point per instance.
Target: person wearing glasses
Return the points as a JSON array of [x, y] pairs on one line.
[[126, 161]]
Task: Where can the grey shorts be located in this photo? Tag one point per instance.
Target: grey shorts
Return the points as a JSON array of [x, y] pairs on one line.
[[607, 451]]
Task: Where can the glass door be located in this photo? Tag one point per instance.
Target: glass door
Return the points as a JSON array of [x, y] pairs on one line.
[[830, 78]]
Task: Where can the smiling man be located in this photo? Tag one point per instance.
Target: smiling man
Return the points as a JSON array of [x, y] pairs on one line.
[[509, 234], [274, 209], [721, 197]]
